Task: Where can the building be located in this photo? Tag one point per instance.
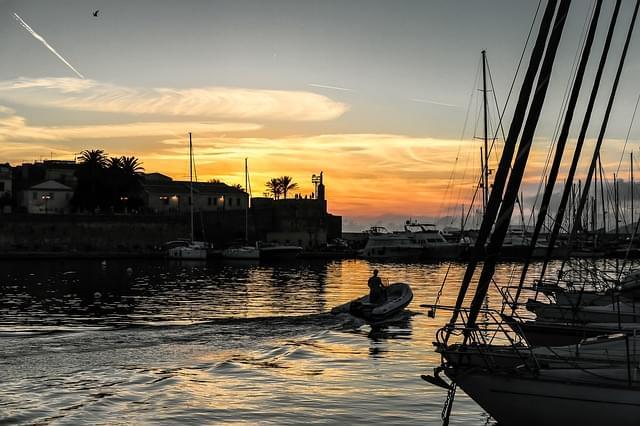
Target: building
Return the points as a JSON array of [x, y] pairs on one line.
[[300, 221], [6, 188], [49, 197], [161, 194]]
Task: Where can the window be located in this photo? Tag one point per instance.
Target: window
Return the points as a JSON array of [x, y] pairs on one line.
[[34, 195], [209, 201], [1, 186], [215, 201]]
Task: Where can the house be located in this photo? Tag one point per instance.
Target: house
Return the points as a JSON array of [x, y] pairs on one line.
[[48, 197], [215, 196], [161, 194]]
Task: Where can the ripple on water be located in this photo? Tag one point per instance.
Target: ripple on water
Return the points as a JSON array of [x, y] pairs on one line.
[[207, 343]]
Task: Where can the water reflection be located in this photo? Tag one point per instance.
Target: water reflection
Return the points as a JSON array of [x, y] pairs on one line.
[[206, 342]]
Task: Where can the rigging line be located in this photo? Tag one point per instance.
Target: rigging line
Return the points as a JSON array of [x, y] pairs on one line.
[[571, 103], [503, 216], [506, 103], [603, 127], [626, 139], [578, 147], [507, 155], [515, 76], [513, 81], [561, 113], [464, 129]]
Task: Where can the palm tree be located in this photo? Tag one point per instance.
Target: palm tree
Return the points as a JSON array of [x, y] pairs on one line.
[[131, 166], [113, 163], [274, 188], [90, 191], [286, 184], [132, 177], [96, 158]]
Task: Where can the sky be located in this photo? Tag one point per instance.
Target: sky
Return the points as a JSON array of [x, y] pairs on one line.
[[382, 96]]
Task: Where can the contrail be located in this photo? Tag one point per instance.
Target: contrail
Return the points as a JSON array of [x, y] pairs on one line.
[[47, 45], [428, 101], [326, 86]]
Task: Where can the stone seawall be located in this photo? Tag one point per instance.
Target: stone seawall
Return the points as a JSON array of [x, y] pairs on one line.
[[88, 234]]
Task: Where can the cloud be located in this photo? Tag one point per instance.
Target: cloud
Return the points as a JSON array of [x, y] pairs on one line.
[[19, 140], [216, 102]]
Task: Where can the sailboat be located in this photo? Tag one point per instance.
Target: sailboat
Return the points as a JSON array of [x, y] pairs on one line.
[[596, 382], [246, 251], [189, 249]]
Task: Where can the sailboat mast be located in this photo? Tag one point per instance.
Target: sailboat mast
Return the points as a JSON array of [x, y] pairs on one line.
[[631, 169], [485, 171], [246, 207], [191, 182]]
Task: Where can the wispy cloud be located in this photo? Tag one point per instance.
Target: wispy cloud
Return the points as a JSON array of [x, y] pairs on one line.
[[428, 101], [15, 128], [46, 44], [210, 102], [326, 86]]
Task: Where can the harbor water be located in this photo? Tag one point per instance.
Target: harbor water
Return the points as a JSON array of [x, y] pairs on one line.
[[201, 343]]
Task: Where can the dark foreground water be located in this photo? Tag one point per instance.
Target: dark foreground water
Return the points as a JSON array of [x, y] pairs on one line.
[[202, 343]]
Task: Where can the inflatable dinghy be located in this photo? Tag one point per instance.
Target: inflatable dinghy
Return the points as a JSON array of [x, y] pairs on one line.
[[399, 295]]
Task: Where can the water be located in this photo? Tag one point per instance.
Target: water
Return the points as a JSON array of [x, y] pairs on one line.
[[201, 343]]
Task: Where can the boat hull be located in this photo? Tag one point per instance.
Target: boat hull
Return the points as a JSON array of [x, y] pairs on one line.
[[399, 296], [526, 400], [241, 253]]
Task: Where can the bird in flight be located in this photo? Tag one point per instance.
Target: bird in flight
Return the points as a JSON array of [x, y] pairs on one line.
[[96, 13]]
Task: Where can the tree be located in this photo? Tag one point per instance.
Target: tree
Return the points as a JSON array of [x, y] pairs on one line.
[[274, 188], [132, 174], [93, 158], [113, 183], [91, 191], [286, 184]]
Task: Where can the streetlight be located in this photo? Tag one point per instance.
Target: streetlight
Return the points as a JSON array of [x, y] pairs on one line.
[[124, 200], [46, 198]]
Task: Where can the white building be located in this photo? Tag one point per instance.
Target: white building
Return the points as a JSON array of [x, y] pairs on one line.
[[49, 197]]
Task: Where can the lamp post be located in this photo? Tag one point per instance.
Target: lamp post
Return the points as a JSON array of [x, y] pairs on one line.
[[124, 200], [46, 198]]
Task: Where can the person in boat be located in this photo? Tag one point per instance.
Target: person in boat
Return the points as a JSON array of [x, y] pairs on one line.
[[377, 293]]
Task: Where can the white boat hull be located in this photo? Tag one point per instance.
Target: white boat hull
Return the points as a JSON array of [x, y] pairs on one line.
[[243, 253]]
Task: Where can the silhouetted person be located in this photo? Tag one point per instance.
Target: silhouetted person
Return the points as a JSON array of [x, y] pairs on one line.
[[376, 289]]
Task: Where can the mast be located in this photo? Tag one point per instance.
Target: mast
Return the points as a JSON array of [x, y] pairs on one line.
[[615, 203], [483, 183], [246, 207], [578, 219], [602, 198], [519, 165], [603, 129], [191, 183], [631, 170], [502, 171], [485, 171]]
